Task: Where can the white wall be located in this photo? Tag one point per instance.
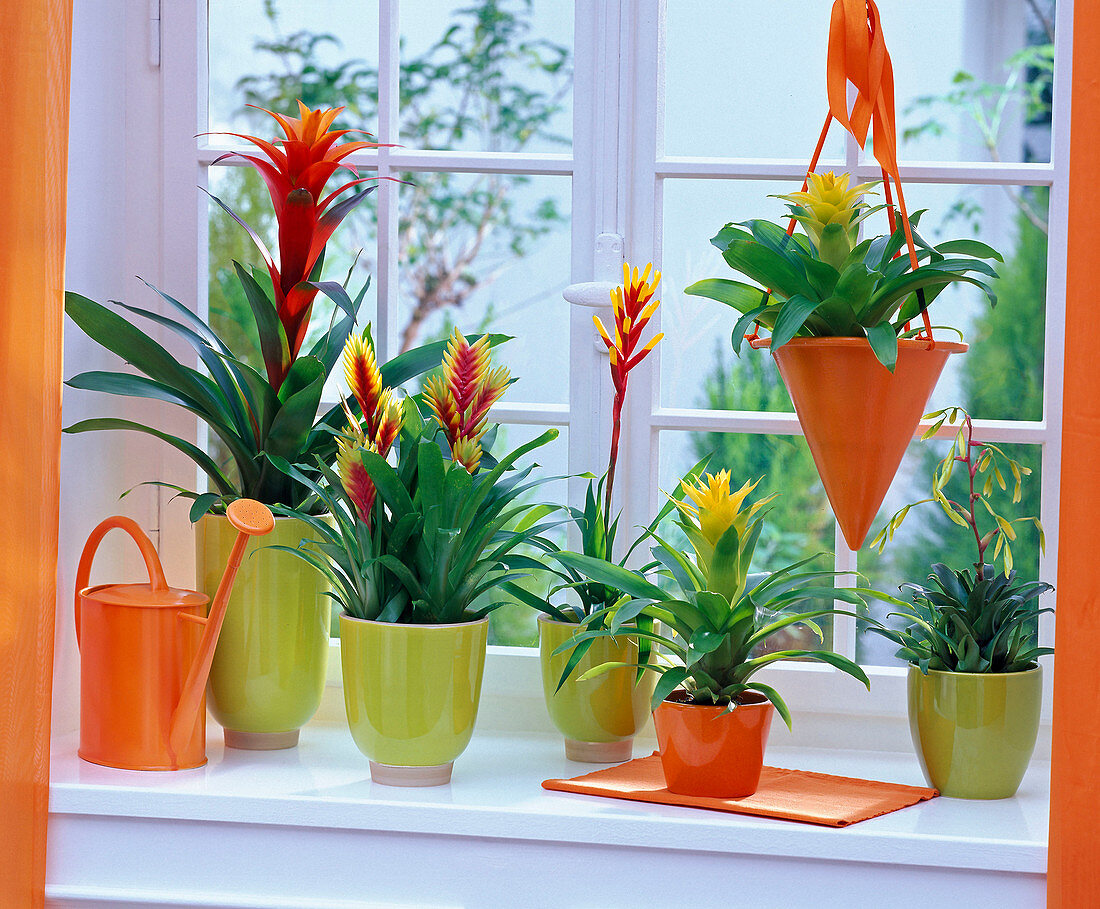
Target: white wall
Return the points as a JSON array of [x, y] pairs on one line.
[[113, 234]]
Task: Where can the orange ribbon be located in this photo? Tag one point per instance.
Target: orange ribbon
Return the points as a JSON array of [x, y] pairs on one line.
[[858, 55]]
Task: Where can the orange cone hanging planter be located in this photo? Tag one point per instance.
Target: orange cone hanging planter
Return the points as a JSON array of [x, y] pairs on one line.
[[857, 416]]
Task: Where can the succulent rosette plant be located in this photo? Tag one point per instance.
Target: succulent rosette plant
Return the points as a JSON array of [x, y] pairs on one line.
[[979, 618], [256, 417], [826, 282], [710, 618], [430, 538]]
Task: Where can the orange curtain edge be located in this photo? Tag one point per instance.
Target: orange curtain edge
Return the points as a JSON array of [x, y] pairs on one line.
[[34, 83], [1073, 874]]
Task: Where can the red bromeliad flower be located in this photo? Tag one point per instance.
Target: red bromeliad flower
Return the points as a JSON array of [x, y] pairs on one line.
[[381, 424], [462, 396], [633, 306], [296, 169]]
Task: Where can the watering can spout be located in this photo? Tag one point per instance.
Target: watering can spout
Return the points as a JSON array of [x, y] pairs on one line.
[[250, 518]]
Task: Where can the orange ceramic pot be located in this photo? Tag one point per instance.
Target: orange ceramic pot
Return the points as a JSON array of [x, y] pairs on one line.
[[709, 751], [858, 417]]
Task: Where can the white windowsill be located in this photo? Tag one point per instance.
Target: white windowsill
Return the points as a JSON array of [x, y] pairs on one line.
[[307, 827]]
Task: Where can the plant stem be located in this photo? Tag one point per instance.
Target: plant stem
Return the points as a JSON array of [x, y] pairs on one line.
[[616, 425], [972, 519]]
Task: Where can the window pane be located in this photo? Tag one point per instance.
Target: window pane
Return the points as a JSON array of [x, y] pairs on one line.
[[799, 523], [698, 367], [927, 536], [1001, 376], [272, 52], [735, 86], [489, 252], [985, 94], [487, 75], [516, 624]]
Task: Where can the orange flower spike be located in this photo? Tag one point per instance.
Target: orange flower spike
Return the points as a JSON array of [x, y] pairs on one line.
[[364, 377]]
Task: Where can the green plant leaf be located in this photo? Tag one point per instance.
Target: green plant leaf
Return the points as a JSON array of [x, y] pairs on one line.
[[884, 342], [791, 318], [273, 341], [200, 457], [742, 297]]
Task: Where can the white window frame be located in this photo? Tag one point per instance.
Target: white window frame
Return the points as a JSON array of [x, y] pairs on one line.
[[618, 171]]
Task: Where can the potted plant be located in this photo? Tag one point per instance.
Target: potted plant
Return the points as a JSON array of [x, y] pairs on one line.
[[975, 684], [712, 716], [839, 310], [599, 717], [269, 668], [416, 553]]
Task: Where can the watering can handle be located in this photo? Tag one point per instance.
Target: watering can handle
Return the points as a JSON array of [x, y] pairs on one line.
[[148, 553]]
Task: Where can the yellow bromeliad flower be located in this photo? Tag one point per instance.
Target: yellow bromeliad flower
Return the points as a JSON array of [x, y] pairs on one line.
[[712, 510], [830, 211]]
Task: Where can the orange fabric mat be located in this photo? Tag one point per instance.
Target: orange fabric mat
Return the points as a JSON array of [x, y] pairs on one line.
[[793, 795]]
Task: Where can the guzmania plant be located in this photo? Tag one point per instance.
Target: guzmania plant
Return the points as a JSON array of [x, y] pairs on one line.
[[256, 418], [706, 613], [431, 538], [978, 619], [828, 283], [633, 304]]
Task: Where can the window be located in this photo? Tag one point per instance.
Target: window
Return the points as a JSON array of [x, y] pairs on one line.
[[657, 121]]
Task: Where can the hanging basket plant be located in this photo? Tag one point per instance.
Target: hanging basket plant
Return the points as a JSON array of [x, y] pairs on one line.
[[840, 309]]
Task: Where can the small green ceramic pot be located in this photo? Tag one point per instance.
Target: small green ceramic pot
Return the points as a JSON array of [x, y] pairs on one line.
[[411, 693], [268, 673], [974, 732], [598, 717]]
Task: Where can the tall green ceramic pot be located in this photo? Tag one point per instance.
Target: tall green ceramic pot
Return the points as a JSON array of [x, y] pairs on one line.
[[599, 717], [411, 693], [268, 673], [974, 732]]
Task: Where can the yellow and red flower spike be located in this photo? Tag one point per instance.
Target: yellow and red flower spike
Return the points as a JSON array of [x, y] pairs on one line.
[[377, 431], [461, 397], [296, 169], [363, 376], [633, 305], [353, 475]]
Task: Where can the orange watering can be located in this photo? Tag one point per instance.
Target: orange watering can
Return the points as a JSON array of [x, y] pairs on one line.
[[145, 654]]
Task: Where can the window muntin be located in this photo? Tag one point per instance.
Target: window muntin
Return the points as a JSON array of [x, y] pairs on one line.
[[652, 189]]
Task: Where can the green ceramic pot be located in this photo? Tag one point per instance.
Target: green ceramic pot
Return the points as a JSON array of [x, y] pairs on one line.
[[411, 693], [268, 673], [598, 717], [974, 732]]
